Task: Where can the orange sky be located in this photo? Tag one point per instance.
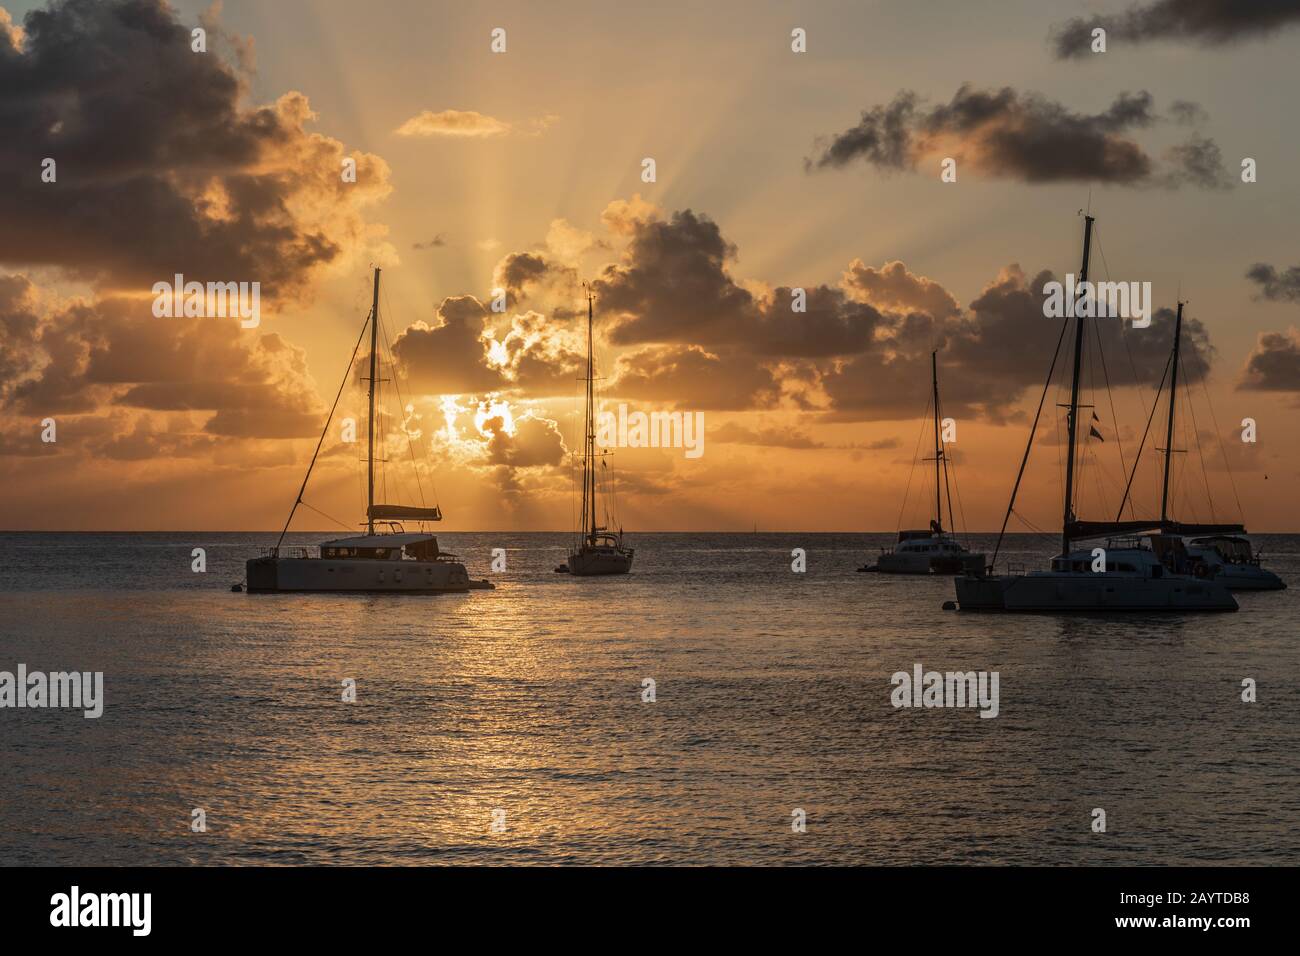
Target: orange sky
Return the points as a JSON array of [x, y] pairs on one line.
[[523, 171]]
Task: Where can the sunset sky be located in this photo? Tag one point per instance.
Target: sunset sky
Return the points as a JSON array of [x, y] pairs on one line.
[[522, 170]]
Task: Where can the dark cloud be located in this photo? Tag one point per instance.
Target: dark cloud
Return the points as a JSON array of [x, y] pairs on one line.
[[673, 286], [1205, 21], [1197, 162], [436, 242], [450, 357], [1275, 286], [689, 377], [1187, 113], [113, 353], [160, 167], [1274, 364], [1012, 135]]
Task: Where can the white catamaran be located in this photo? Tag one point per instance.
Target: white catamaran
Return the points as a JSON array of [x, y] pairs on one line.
[[599, 549], [932, 550], [386, 559], [1140, 569]]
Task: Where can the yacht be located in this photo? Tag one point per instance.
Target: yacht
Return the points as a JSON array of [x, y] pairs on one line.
[[1230, 561], [932, 550], [600, 549], [1218, 551], [387, 559], [1141, 568]]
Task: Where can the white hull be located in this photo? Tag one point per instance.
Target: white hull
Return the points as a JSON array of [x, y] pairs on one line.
[[341, 575], [1049, 591], [591, 562]]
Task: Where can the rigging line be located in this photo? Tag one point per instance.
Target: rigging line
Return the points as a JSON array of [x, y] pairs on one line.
[[1030, 443], [324, 431], [960, 509], [346, 527], [1123, 338], [410, 444], [1034, 529], [1141, 445], [911, 471], [1196, 432], [1222, 449], [1110, 394], [943, 452]]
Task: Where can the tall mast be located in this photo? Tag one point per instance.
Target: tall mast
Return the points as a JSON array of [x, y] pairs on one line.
[[1074, 394], [370, 421], [1169, 431], [938, 447], [589, 449]]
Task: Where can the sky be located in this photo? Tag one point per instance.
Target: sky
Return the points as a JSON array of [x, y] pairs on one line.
[[523, 171]]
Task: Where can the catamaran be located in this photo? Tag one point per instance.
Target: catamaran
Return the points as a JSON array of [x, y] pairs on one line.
[[1218, 551], [387, 559], [932, 550], [599, 549], [1141, 568]]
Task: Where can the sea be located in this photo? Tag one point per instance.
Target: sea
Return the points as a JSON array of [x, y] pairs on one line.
[[729, 702]]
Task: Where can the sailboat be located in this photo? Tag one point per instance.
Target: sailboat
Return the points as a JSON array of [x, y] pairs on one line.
[[600, 550], [1140, 569], [386, 559], [932, 550], [1217, 551]]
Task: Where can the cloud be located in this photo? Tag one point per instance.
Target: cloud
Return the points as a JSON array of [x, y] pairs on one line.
[[534, 442], [1275, 286], [767, 437], [160, 167], [449, 358], [468, 124], [1006, 134], [108, 356], [435, 243], [689, 377], [464, 123], [1208, 22], [1197, 162], [893, 288], [1274, 364]]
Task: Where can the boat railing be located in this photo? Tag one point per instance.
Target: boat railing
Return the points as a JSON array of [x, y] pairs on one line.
[[1016, 568], [285, 553]]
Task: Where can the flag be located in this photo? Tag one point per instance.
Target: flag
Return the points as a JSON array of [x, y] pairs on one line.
[[1094, 433]]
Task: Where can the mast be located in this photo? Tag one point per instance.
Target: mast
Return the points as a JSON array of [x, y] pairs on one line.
[[370, 420], [589, 446], [938, 446], [1073, 419], [1169, 430]]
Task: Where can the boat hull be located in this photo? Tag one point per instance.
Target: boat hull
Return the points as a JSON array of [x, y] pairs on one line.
[[1248, 578], [602, 561], [287, 575], [895, 563], [1050, 592]]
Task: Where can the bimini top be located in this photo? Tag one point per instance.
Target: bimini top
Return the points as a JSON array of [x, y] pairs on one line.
[[379, 541]]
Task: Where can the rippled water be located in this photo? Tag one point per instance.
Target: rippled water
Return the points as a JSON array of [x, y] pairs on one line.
[[772, 694]]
